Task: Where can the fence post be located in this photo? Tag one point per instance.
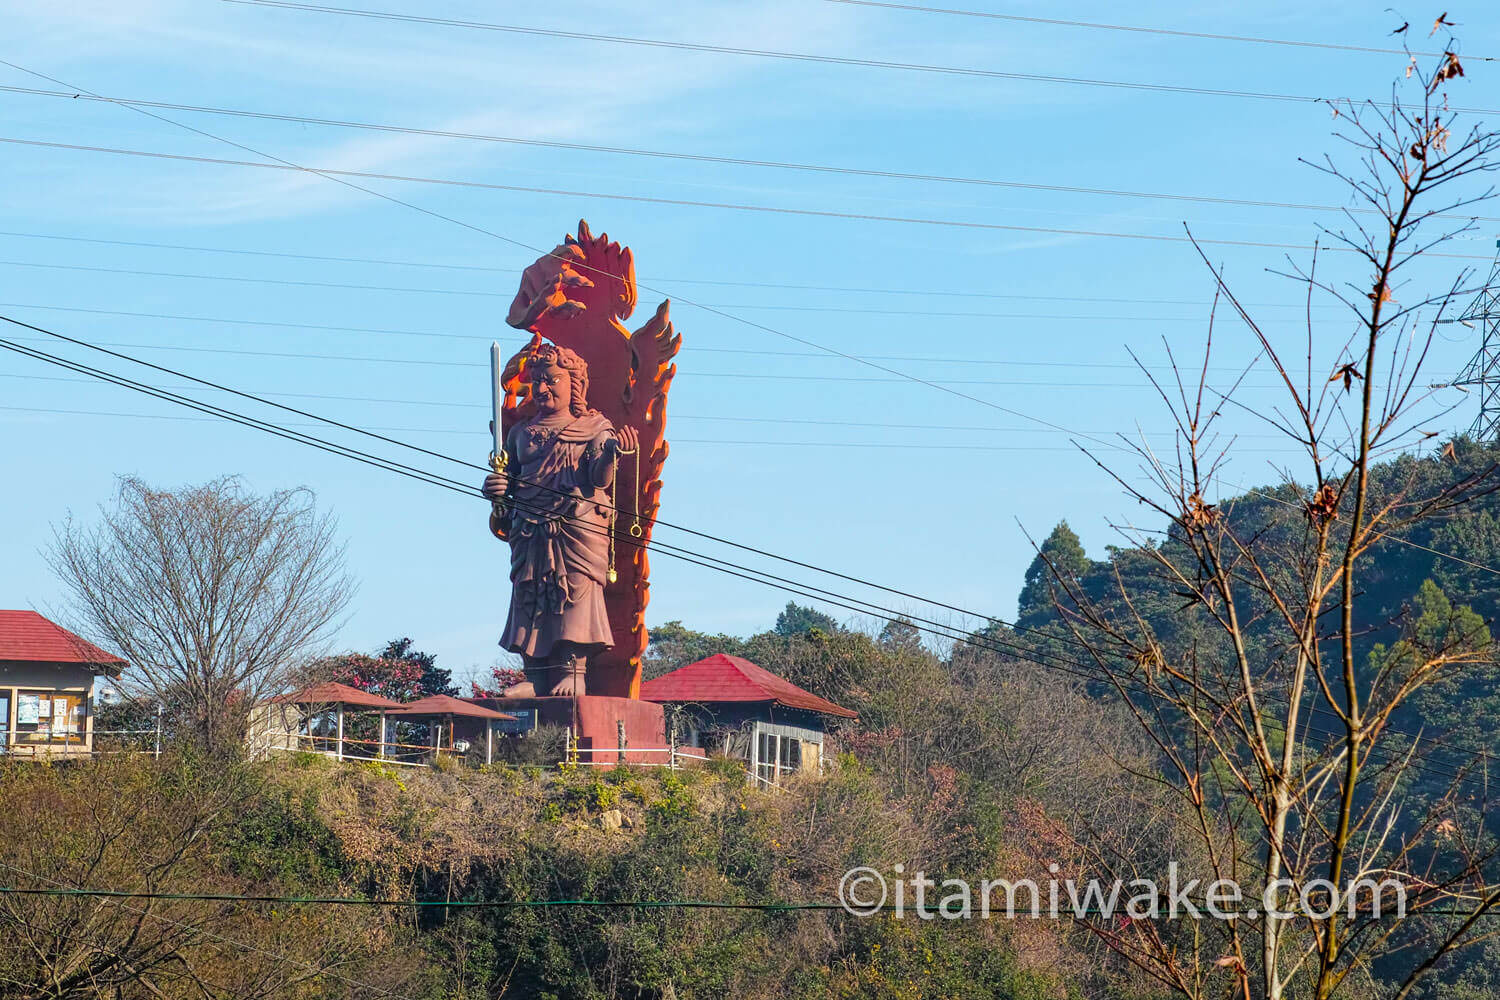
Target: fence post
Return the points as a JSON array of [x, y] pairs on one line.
[[157, 752], [672, 745], [620, 740]]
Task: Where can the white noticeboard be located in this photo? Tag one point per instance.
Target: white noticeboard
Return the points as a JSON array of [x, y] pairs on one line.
[[28, 709]]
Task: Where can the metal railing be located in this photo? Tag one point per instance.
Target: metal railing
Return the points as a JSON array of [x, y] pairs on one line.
[[668, 757], [333, 746], [77, 742]]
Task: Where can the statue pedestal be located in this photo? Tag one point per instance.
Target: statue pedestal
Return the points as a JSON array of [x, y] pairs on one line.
[[596, 721]]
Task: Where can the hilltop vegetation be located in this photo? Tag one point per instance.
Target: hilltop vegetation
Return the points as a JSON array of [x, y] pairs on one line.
[[989, 759], [310, 828]]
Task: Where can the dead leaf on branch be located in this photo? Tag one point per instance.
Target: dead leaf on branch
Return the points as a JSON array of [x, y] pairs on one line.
[[1149, 660], [1449, 70], [1441, 22], [1324, 506], [1402, 30], [1348, 373], [1199, 515]]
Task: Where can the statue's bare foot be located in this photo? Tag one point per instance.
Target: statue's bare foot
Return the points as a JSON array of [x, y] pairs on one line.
[[569, 686], [525, 689]]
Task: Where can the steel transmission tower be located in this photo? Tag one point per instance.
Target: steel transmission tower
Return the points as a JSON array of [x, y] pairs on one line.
[[1483, 372]]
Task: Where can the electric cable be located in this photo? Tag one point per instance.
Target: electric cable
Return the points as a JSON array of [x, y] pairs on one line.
[[966, 224], [751, 376], [656, 154], [1174, 32], [934, 292], [507, 239], [477, 338], [938, 629], [798, 56], [675, 416], [547, 254]]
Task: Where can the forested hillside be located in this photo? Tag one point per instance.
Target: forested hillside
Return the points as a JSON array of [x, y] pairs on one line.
[[989, 757]]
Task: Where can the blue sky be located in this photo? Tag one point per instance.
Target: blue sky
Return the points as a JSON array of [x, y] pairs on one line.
[[888, 480]]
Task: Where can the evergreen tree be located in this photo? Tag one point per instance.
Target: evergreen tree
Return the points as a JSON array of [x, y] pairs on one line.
[[1064, 552], [797, 620], [900, 633]]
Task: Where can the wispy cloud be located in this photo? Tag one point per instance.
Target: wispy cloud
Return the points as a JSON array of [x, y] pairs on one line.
[[427, 76]]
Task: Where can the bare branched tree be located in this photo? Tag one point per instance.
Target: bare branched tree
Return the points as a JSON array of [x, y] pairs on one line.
[[214, 595], [1271, 715], [160, 829]]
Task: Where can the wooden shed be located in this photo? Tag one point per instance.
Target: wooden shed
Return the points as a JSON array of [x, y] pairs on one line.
[[48, 678]]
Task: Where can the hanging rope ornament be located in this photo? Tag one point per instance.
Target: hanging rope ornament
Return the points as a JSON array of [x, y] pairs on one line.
[[636, 531]]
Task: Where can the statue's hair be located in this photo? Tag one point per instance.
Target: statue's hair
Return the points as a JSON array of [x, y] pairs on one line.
[[570, 362]]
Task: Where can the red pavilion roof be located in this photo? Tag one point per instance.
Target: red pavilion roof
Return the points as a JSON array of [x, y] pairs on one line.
[[334, 693], [723, 678], [27, 636], [442, 704]]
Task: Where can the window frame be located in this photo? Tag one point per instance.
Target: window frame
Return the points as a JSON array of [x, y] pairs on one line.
[[77, 716]]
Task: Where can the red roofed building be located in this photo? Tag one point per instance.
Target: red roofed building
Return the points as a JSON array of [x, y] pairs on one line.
[[47, 686], [728, 704]]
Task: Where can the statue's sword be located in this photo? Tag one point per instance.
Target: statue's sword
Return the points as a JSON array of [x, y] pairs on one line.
[[497, 400]]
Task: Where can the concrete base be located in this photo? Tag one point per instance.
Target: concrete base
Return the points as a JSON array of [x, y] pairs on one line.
[[595, 720]]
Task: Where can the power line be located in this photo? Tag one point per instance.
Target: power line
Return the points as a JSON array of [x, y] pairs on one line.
[[938, 629], [434, 479], [213, 935], [449, 904], [477, 432], [461, 487], [479, 229], [515, 242], [95, 269], [746, 376], [452, 220], [407, 289], [801, 421], [337, 175], [933, 292], [248, 252], [507, 904], [816, 168], [386, 331], [658, 43], [1212, 36]]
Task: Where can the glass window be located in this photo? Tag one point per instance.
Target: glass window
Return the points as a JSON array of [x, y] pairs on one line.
[[791, 754], [4, 720], [767, 757], [49, 717]]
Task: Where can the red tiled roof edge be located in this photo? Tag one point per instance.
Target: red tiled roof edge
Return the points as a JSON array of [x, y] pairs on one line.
[[725, 678], [28, 637]]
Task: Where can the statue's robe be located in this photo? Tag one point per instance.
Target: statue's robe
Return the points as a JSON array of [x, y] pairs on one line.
[[558, 524]]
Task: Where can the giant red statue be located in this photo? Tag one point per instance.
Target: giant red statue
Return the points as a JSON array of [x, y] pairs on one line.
[[578, 484]]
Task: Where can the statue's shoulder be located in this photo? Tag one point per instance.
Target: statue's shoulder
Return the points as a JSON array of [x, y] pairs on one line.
[[596, 420], [586, 427]]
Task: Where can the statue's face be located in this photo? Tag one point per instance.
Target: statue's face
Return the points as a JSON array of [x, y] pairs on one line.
[[551, 388]]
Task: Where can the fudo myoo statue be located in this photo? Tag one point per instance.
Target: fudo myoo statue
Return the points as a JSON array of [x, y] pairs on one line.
[[555, 511], [580, 420]]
